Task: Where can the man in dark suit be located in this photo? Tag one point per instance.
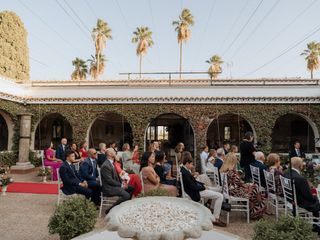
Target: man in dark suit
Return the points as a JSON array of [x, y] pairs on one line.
[[305, 199], [219, 159], [296, 151], [111, 182], [196, 190], [61, 150], [72, 182], [259, 163], [88, 171]]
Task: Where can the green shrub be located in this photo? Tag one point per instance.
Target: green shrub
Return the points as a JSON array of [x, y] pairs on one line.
[[34, 159], [287, 228], [75, 216], [155, 192], [8, 158]]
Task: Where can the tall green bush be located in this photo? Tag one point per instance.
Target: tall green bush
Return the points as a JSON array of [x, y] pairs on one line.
[[75, 216], [14, 52], [287, 228]]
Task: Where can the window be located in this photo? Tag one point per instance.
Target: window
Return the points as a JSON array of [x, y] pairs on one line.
[[162, 132], [227, 133]]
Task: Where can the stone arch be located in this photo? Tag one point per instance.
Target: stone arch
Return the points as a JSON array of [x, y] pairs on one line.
[[225, 127], [6, 131], [109, 126], [294, 126], [51, 127], [165, 128]]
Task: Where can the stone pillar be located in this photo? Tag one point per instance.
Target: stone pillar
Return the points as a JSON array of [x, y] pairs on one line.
[[23, 165]]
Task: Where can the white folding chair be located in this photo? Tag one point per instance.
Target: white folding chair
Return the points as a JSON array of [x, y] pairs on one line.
[[273, 199], [216, 177], [255, 173], [142, 182], [290, 202], [238, 204], [105, 201]]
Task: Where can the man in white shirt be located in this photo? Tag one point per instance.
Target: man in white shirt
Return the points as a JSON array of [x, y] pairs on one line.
[[203, 157]]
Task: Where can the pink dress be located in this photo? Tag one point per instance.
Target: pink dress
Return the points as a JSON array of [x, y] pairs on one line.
[[48, 163]]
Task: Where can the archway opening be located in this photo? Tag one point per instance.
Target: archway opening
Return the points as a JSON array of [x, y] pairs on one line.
[[52, 127], [289, 128], [4, 134], [170, 129], [227, 128], [110, 127]]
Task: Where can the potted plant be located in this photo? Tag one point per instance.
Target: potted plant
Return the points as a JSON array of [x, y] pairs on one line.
[[5, 179], [44, 172]]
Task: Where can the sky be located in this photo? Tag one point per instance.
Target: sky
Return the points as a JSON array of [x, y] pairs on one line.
[[255, 38]]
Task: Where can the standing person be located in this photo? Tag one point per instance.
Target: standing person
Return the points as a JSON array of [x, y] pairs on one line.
[[89, 172], [51, 161], [296, 151], [247, 154], [226, 147], [136, 155], [83, 150], [74, 148], [61, 150], [203, 158]]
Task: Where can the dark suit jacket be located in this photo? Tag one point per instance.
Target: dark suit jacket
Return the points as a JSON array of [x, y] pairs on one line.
[[60, 154], [70, 178], [111, 183], [293, 153], [191, 186], [218, 163], [87, 171], [101, 158], [305, 199], [261, 167]]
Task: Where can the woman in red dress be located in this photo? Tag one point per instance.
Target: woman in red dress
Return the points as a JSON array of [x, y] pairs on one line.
[[83, 150], [135, 155]]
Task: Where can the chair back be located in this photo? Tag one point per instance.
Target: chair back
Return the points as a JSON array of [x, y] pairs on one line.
[[216, 176], [224, 185], [184, 195], [289, 197], [41, 155], [177, 166], [255, 173], [59, 180], [270, 182], [142, 182], [99, 173]]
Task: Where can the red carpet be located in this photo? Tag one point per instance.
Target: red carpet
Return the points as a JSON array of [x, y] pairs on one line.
[[37, 188]]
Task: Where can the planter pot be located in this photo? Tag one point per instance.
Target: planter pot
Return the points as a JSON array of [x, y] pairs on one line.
[[44, 178], [4, 190]]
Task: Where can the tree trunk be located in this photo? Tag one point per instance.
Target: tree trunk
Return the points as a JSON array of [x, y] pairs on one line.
[[311, 74], [98, 60], [180, 59], [140, 66]]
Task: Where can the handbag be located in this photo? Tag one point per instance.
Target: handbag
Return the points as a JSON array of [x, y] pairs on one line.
[[226, 206]]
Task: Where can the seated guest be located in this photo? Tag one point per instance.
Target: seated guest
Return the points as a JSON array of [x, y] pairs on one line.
[[163, 170], [259, 163], [113, 145], [135, 155], [132, 178], [61, 150], [196, 189], [72, 182], [74, 148], [127, 159], [296, 151], [89, 172], [179, 150], [112, 185], [233, 149], [203, 157], [83, 150], [305, 199], [226, 147], [150, 179], [273, 161], [210, 161], [51, 161], [219, 159], [102, 154], [238, 188]]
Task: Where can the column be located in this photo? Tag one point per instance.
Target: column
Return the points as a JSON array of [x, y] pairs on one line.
[[23, 165]]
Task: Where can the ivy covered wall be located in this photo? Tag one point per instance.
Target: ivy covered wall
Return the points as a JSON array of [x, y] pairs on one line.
[[262, 117]]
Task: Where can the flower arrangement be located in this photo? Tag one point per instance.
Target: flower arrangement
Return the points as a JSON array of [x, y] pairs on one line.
[[5, 178], [44, 171]]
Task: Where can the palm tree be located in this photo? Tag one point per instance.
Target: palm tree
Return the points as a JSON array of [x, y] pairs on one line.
[[182, 28], [215, 66], [80, 71], [142, 36], [96, 68], [312, 56], [100, 34]]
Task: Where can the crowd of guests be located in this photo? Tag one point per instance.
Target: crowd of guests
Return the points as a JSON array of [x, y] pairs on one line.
[[125, 174]]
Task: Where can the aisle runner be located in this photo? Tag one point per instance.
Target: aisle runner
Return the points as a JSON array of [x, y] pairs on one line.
[[29, 187]]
